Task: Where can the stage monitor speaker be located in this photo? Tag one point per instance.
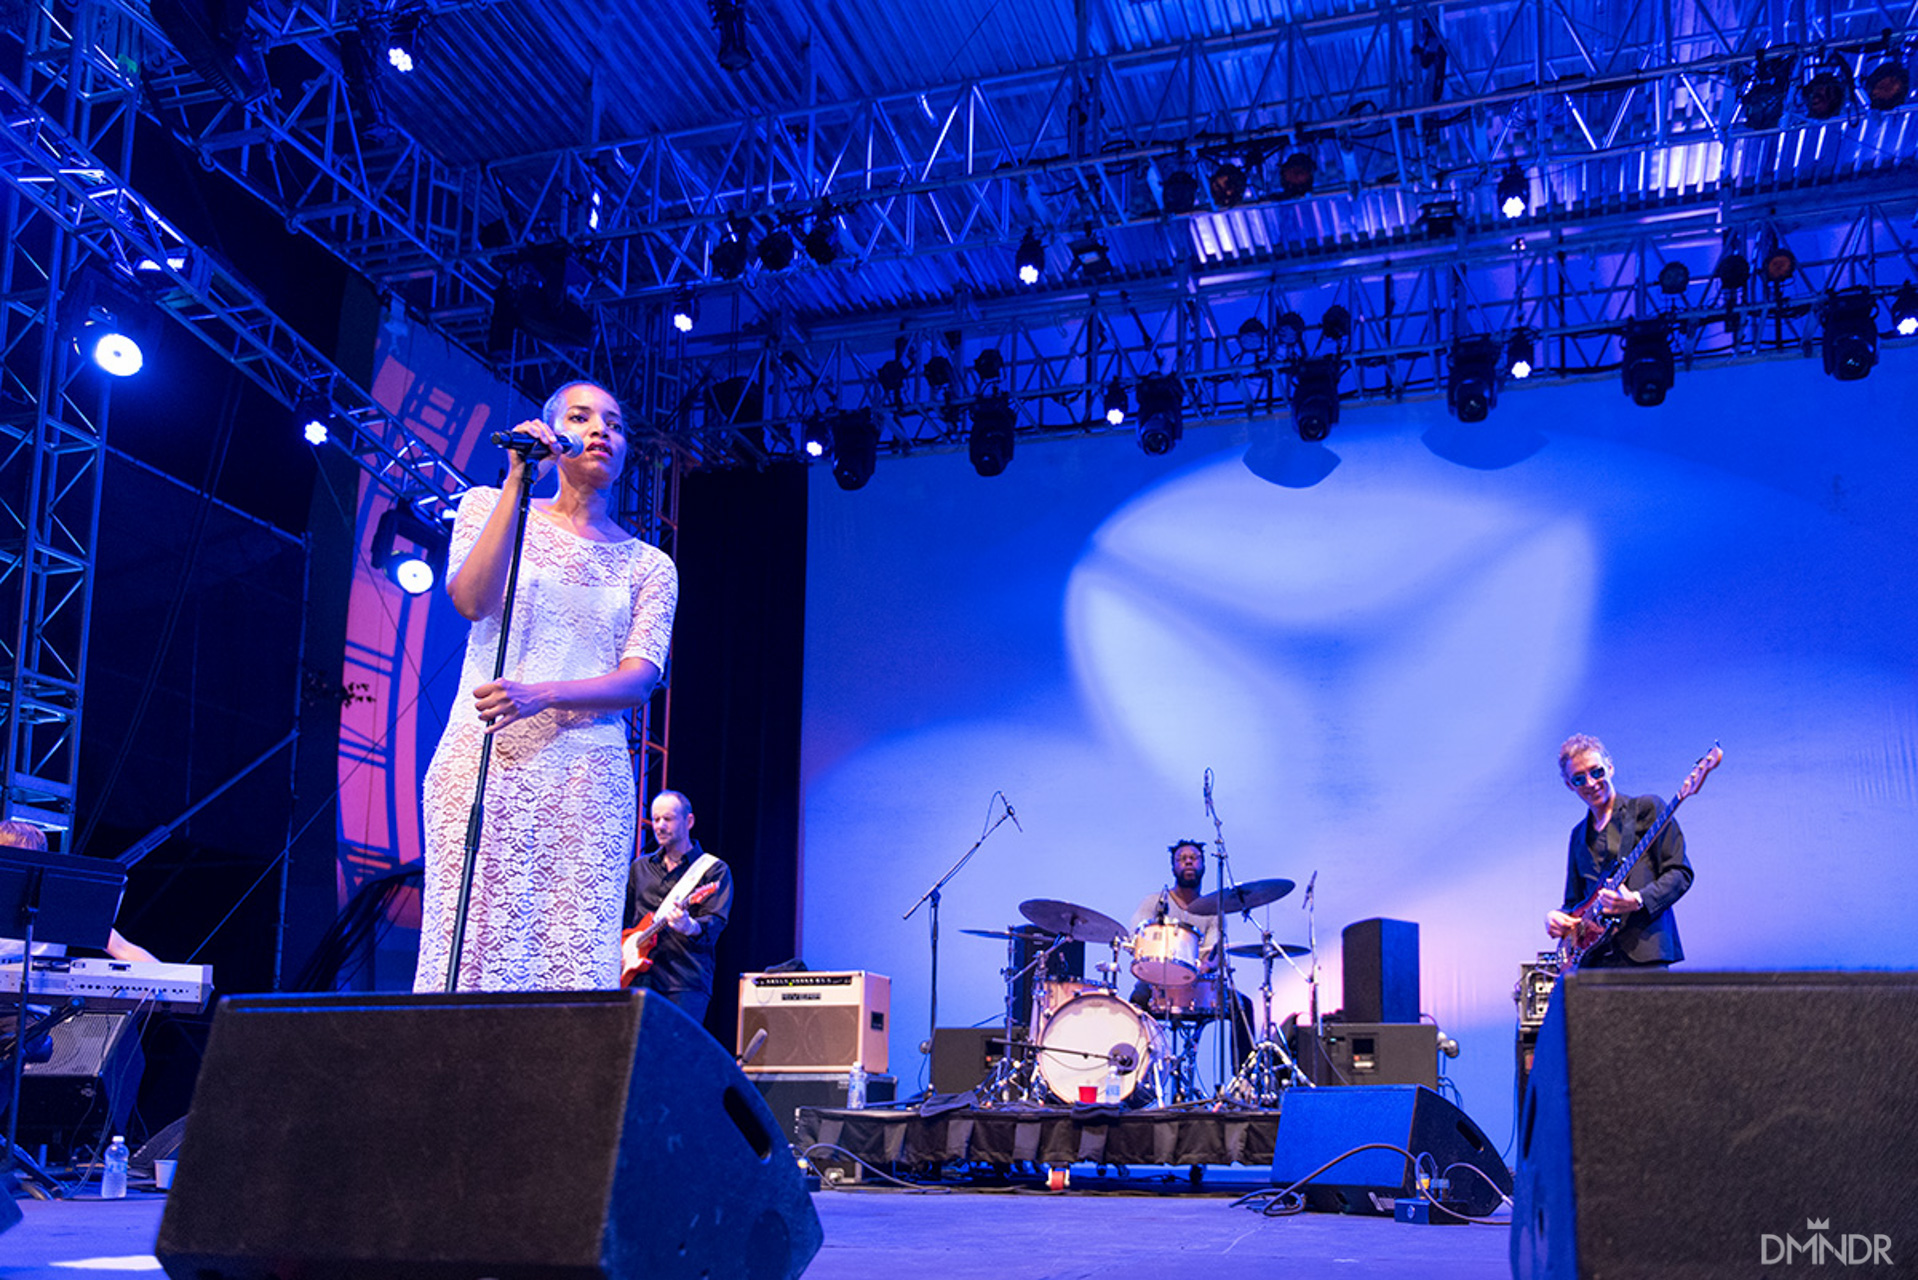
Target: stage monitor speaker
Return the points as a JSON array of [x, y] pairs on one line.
[[816, 1021], [1698, 1125], [1317, 1125], [962, 1057], [584, 1135], [1381, 971], [87, 1086]]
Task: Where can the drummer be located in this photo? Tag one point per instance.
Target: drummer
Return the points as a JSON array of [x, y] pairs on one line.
[[1170, 905]]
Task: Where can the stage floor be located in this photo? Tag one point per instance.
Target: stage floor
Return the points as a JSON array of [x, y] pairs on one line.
[[874, 1234]]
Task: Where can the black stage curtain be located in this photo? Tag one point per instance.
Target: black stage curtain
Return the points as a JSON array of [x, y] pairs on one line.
[[734, 741]]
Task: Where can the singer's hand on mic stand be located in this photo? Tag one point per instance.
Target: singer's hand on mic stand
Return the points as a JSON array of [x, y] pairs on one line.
[[501, 702]]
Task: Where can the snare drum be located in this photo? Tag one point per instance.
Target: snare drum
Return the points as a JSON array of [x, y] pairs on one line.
[[1194, 1000], [1166, 955], [1087, 1031]]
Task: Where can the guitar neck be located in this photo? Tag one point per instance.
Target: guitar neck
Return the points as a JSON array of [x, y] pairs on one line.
[[1615, 880]]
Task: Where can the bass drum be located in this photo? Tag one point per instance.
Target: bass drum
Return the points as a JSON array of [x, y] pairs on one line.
[[1086, 1031]]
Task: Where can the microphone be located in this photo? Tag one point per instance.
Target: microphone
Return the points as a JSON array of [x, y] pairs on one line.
[[520, 442], [753, 1047], [1010, 813]]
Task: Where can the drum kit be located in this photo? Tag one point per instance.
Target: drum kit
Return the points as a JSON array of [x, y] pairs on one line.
[[1072, 1036]]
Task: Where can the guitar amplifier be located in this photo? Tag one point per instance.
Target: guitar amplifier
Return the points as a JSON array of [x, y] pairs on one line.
[[816, 1021]]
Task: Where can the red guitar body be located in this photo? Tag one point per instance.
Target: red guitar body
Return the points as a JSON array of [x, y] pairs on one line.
[[636, 944]]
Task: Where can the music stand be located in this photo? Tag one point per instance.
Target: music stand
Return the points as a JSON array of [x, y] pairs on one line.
[[50, 897]]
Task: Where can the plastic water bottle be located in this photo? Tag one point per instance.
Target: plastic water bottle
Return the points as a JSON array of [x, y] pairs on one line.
[[113, 1181], [856, 1088], [1109, 1092]]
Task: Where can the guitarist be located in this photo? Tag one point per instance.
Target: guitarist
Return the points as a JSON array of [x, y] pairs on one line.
[[1648, 935], [683, 948]]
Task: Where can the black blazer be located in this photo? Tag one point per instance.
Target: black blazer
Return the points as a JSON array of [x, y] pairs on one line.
[[1661, 878]]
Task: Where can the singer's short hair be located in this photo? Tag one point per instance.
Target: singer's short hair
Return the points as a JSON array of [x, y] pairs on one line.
[[21, 835], [549, 412], [685, 805], [1177, 845]]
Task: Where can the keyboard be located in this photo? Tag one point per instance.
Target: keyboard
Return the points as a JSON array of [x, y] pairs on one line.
[[113, 984]]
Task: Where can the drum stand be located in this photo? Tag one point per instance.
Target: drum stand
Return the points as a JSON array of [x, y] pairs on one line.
[[1268, 1068]]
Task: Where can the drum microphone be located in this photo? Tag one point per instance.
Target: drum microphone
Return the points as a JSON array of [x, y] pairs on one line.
[[753, 1047], [533, 447]]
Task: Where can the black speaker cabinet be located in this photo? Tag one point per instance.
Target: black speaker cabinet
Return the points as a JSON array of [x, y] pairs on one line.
[[1316, 1125], [1381, 971], [962, 1057], [569, 1135], [87, 1086], [1696, 1125], [787, 1091], [1369, 1053]]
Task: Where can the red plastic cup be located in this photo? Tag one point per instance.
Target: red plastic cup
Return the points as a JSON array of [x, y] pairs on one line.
[[1088, 1093]]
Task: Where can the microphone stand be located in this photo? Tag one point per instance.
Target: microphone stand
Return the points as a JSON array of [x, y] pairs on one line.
[[476, 818], [932, 895], [1227, 995]]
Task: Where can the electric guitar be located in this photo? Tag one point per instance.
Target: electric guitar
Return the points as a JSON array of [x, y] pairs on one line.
[[637, 943], [1594, 926]]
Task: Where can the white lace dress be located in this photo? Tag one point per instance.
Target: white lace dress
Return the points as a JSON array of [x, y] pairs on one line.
[[550, 883]]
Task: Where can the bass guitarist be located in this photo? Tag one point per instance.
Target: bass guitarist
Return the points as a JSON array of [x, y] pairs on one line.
[[1647, 934], [684, 944]]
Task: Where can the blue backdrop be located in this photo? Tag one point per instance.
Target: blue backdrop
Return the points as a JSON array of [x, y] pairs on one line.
[[1379, 668]]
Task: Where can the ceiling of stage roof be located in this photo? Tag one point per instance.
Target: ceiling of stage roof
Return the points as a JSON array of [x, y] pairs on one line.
[[599, 155]]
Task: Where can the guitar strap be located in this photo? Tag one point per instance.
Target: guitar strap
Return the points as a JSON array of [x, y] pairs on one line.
[[689, 879]]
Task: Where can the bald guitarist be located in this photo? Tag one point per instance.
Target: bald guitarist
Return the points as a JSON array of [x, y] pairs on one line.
[[688, 917], [1646, 934]]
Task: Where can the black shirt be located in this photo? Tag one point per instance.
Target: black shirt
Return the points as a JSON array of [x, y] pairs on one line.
[[1650, 934]]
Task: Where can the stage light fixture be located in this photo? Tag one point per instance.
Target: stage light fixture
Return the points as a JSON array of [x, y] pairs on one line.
[[1090, 256], [1252, 337], [1297, 173], [1764, 92], [1161, 412], [776, 250], [1674, 278], [1289, 331], [1829, 89], [1519, 357], [1336, 324], [892, 376], [729, 19], [313, 415], [938, 373], [822, 239], [990, 442], [1780, 263], [1733, 271], [415, 569], [1850, 336], [1888, 84], [1115, 405], [105, 342], [730, 254], [1315, 397], [816, 437], [403, 41], [989, 364], [855, 448], [216, 40], [1471, 387], [1180, 191], [1228, 186], [1514, 191], [1030, 258], [1647, 371], [1904, 310], [685, 310]]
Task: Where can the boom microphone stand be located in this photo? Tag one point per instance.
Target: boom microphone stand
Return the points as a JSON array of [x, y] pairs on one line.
[[528, 453]]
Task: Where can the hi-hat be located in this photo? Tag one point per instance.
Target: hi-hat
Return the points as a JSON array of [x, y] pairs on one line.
[[1081, 924], [1258, 951], [1240, 897]]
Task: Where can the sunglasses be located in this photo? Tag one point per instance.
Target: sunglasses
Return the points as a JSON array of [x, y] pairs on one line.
[[1597, 774]]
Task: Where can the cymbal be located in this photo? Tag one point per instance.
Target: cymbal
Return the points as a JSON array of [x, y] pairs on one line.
[[1257, 951], [1018, 931], [1081, 924], [1243, 897]]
